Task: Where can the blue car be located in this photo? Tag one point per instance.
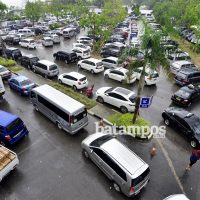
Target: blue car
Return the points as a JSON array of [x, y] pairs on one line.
[[21, 84], [12, 128]]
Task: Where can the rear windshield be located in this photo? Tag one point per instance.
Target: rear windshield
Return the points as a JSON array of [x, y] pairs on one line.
[[80, 116], [140, 178], [52, 67], [83, 79], [13, 125], [183, 93], [25, 82]]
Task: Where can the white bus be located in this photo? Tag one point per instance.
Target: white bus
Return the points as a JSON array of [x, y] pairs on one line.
[[67, 113]]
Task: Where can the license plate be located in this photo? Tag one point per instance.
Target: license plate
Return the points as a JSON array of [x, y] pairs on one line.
[[18, 134], [177, 98]]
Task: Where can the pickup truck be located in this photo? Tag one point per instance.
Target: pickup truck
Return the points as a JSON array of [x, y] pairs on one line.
[[8, 161], [2, 89]]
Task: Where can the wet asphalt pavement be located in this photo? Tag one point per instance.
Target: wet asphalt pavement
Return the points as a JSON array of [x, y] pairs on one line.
[[51, 164]]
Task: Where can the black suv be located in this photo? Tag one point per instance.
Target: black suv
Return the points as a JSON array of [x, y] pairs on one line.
[[13, 53], [12, 40], [187, 76], [29, 60], [186, 95], [66, 56], [106, 52], [186, 123]]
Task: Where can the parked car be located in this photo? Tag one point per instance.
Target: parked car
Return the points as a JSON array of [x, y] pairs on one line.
[[55, 38], [80, 45], [185, 122], [46, 68], [73, 79], [175, 67], [109, 52], [85, 42], [12, 39], [127, 171], [13, 53], [151, 76], [121, 75], [82, 53], [5, 73], [176, 197], [177, 57], [28, 43], [69, 33], [110, 62], [2, 88], [22, 84], [29, 60], [119, 97], [12, 128], [66, 56], [186, 95], [47, 42], [91, 64], [90, 40], [187, 76]]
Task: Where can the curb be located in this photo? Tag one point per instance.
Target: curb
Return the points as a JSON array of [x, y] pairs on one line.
[[111, 124]]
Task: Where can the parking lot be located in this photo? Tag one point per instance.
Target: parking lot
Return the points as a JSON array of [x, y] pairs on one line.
[[51, 163]]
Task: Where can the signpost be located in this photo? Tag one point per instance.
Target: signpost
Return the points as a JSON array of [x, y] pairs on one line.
[[145, 102]]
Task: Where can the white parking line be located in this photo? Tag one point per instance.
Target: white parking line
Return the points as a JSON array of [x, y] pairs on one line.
[[171, 165]]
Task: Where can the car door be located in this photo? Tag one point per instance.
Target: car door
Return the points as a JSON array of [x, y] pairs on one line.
[[113, 74], [68, 80], [113, 99], [85, 64], [180, 124]]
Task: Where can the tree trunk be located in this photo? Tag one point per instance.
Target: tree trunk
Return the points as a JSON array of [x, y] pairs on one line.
[[139, 92]]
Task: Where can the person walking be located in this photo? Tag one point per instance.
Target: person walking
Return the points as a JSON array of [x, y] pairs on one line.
[[153, 151], [195, 156]]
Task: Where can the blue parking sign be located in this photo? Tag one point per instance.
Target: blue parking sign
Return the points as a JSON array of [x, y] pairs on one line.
[[145, 102]]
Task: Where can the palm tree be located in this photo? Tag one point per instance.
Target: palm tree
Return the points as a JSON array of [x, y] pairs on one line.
[[152, 57]]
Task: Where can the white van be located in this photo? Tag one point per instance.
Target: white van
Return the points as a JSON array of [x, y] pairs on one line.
[[47, 42], [69, 33], [28, 43], [2, 89], [26, 32]]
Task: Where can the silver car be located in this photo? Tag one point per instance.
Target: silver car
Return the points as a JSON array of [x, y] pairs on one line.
[[128, 172]]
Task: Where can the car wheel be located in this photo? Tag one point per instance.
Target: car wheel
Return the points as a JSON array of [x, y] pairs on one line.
[[123, 109], [59, 125], [106, 76], [100, 100], [92, 71], [85, 153], [167, 122], [74, 87], [116, 187], [59, 81], [66, 61], [193, 143]]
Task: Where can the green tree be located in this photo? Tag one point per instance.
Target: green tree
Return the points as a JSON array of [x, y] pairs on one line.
[[34, 10], [3, 9]]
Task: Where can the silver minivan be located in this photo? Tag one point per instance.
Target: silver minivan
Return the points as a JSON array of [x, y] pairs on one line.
[[128, 172], [110, 62], [46, 68]]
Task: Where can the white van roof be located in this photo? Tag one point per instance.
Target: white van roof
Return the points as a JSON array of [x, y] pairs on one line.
[[62, 100]]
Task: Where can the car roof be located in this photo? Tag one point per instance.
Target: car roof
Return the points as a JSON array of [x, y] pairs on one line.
[[29, 39], [20, 78], [46, 38], [6, 118], [179, 112], [121, 69], [76, 75], [124, 156], [30, 56], [93, 60], [46, 62], [12, 48], [123, 91]]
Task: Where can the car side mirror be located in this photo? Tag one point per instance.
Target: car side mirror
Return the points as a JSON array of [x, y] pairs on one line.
[[106, 94]]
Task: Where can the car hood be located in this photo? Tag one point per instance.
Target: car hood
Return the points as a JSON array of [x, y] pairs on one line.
[[102, 90]]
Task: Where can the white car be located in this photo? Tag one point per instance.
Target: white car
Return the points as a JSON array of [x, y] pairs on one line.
[[86, 38], [82, 53], [73, 79], [91, 64], [47, 42], [121, 75], [80, 45], [151, 76], [119, 97], [28, 43], [55, 38], [176, 197]]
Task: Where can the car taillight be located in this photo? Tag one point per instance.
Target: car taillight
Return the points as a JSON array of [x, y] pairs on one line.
[[23, 89], [7, 137], [79, 82], [185, 101], [131, 189]]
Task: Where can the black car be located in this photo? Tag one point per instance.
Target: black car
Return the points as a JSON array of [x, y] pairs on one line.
[[106, 52], [67, 57], [187, 76], [13, 53], [29, 60], [185, 122], [12, 40], [186, 95]]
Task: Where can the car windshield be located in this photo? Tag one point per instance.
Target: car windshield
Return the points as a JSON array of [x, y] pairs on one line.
[[132, 98], [181, 75], [13, 125], [3, 69], [52, 67], [35, 59], [99, 141], [26, 82]]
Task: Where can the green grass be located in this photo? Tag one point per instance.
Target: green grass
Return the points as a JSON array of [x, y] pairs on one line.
[[89, 103], [10, 64], [126, 121]]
